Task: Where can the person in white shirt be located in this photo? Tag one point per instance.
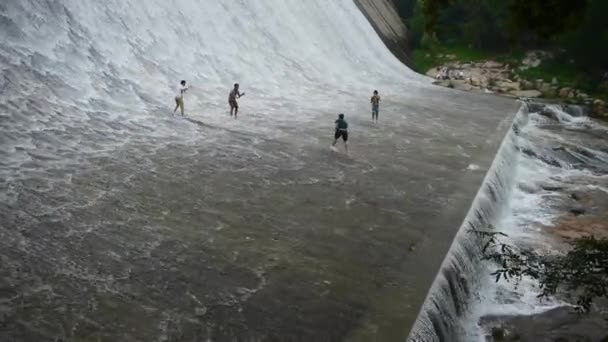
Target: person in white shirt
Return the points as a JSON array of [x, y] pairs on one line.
[[179, 97]]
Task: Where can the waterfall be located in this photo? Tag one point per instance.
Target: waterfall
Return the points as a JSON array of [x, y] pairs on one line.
[[458, 278]]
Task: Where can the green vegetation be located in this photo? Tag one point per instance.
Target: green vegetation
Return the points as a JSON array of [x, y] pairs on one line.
[[576, 32], [581, 272], [425, 58], [567, 75]]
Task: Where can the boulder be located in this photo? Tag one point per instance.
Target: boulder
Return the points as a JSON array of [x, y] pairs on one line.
[[547, 90], [565, 92], [559, 324], [493, 65], [443, 83], [577, 211], [599, 108], [432, 72], [460, 85], [527, 93], [506, 85], [582, 96], [525, 84]]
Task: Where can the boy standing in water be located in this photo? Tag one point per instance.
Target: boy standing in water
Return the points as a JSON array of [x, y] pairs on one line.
[[234, 94], [179, 97], [375, 105], [341, 131]]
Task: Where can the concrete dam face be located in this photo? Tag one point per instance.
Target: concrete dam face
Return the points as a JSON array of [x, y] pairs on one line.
[[122, 221]]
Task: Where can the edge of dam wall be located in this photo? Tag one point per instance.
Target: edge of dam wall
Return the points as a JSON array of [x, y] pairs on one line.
[[458, 278], [384, 18]]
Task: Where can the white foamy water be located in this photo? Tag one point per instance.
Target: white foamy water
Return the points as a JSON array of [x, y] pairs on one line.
[[83, 78], [542, 165]]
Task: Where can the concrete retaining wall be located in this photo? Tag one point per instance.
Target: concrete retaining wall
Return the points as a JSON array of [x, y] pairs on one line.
[[383, 16]]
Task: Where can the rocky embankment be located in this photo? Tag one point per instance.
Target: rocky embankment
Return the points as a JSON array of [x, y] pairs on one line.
[[501, 78]]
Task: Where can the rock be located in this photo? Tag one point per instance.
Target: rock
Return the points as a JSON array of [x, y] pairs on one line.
[[442, 83], [554, 81], [527, 93], [450, 56], [565, 92], [551, 188], [577, 211], [492, 65], [547, 89], [432, 72], [539, 82], [507, 86], [582, 95], [560, 324], [526, 85], [599, 108], [555, 89], [498, 333], [460, 85]]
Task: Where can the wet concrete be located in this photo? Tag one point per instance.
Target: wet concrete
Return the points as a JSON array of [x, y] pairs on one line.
[[246, 237]]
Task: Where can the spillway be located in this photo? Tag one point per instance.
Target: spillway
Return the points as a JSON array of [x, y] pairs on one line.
[[120, 221]]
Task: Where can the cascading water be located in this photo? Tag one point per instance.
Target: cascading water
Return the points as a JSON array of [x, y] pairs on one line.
[[551, 152], [457, 282], [121, 222]]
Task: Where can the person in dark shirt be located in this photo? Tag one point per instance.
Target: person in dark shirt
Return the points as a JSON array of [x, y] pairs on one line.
[[375, 105], [341, 131], [234, 94]]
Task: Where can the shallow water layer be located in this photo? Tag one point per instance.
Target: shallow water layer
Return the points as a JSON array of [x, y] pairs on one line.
[[121, 222]]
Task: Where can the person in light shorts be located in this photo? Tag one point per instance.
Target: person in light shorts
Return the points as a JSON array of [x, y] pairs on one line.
[[179, 97]]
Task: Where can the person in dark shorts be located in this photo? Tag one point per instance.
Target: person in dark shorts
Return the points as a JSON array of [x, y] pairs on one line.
[[341, 131], [234, 94], [375, 105]]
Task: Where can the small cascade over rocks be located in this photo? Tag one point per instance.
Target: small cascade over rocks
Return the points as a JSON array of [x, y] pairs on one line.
[[550, 148], [458, 279]]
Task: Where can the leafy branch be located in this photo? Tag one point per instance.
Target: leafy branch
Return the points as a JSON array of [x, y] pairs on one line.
[[582, 272]]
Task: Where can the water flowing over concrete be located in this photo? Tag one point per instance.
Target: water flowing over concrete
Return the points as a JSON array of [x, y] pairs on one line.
[[122, 222]]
